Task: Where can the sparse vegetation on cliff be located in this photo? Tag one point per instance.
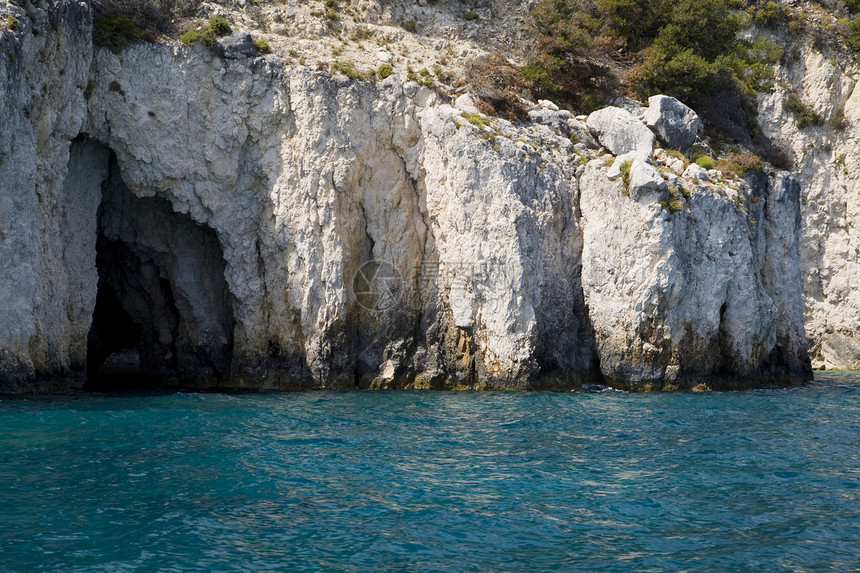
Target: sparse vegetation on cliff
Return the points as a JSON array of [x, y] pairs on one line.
[[116, 31], [804, 114], [208, 33], [263, 47]]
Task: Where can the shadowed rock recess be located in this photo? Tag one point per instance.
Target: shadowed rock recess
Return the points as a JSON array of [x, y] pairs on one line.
[[242, 223]]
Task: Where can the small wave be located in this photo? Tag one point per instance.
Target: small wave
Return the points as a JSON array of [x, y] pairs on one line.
[[599, 388]]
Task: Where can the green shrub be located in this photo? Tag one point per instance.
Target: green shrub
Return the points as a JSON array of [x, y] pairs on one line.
[[853, 5], [624, 169], [689, 49], [854, 34], [363, 34], [739, 164], [220, 26], [477, 119], [697, 151], [837, 120], [538, 76], [410, 26], [11, 22], [116, 31], [207, 34], [204, 35], [384, 71], [470, 16], [705, 162], [674, 202], [804, 114], [347, 68], [263, 47], [767, 14]]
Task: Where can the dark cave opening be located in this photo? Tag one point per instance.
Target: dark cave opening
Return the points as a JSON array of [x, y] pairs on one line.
[[163, 313], [114, 335]]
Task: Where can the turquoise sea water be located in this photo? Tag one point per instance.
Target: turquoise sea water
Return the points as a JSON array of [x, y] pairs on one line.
[[431, 481]]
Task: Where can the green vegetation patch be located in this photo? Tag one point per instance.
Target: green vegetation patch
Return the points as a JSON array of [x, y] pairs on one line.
[[675, 201], [208, 33], [384, 71], [263, 47], [478, 120], [220, 26], [853, 40], [804, 114], [203, 35], [347, 68], [624, 169], [116, 31], [589, 51], [739, 164], [705, 162], [11, 22]]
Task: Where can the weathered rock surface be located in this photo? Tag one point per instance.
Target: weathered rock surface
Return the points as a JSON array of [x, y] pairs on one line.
[[678, 298], [43, 315], [621, 132], [236, 45], [674, 123], [265, 226], [826, 159]]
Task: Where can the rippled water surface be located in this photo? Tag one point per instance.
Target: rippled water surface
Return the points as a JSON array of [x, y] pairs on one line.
[[426, 481]]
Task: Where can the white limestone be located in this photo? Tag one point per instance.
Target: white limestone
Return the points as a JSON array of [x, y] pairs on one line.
[[254, 194]]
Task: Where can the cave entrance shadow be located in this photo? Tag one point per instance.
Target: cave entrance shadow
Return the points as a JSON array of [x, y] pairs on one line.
[[113, 353], [163, 314]]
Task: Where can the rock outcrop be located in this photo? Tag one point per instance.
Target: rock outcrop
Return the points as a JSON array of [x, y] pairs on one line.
[[620, 132], [826, 159], [675, 124], [266, 226]]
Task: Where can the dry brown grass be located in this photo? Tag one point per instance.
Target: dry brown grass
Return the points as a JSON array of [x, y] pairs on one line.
[[497, 84]]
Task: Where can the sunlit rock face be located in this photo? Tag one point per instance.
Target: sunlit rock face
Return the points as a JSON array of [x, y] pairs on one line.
[[826, 161], [702, 287], [242, 223]]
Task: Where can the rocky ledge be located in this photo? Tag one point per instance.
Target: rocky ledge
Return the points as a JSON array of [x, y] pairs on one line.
[[242, 223]]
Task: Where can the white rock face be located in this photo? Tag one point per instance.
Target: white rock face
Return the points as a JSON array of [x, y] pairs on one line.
[[271, 227], [42, 328], [685, 296], [621, 132], [826, 162], [675, 123]]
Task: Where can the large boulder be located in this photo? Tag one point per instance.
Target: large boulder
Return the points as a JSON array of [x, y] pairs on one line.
[[237, 45], [675, 123], [621, 132]]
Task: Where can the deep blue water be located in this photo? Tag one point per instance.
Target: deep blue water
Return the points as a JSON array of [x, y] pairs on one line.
[[432, 481]]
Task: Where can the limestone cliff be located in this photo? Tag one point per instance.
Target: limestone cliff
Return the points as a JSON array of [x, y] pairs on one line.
[[826, 159], [254, 224]]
